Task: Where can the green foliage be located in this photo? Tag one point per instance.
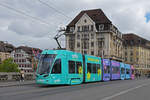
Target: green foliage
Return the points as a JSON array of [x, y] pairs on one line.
[[34, 67], [9, 66]]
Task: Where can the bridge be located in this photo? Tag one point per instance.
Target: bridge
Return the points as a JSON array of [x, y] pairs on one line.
[[114, 90]]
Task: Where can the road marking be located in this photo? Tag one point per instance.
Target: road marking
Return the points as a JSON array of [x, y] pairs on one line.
[[123, 92]]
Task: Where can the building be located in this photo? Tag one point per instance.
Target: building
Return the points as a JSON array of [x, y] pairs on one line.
[[5, 50], [137, 52], [91, 32], [24, 57]]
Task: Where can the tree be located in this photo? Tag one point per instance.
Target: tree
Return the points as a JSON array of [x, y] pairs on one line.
[[8, 66]]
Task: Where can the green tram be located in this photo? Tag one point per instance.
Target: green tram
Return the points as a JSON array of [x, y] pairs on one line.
[[58, 67]]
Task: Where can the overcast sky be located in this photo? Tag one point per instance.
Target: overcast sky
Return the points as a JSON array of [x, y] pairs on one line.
[[31, 23]]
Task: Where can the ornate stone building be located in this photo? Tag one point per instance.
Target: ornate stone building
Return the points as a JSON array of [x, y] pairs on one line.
[[137, 52], [91, 32], [24, 57]]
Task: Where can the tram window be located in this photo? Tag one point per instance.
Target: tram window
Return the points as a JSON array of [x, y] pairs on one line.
[[98, 67], [132, 71], [115, 70], [106, 69], [71, 67], [79, 64], [57, 67], [94, 68], [127, 71], [122, 70], [89, 68]]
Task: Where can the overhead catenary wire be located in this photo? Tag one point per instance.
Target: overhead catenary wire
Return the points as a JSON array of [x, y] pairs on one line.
[[44, 3], [50, 7], [24, 14]]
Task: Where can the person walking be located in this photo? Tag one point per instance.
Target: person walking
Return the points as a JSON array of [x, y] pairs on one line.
[[136, 75], [139, 75], [22, 75]]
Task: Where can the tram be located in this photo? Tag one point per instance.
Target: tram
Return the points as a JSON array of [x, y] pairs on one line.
[[60, 67]]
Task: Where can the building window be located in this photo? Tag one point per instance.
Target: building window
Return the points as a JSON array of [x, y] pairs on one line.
[[126, 53], [131, 59], [137, 53], [85, 45], [92, 52], [85, 52], [92, 44], [85, 28], [78, 44], [137, 59], [78, 36], [100, 44], [92, 36], [125, 46], [78, 28], [57, 67], [85, 21], [101, 27], [91, 27], [131, 53], [125, 58]]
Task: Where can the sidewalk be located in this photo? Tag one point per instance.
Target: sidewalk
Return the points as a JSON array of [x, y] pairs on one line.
[[16, 83]]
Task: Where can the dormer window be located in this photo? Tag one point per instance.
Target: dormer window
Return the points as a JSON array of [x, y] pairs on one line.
[[85, 21], [91, 27], [101, 27], [116, 31]]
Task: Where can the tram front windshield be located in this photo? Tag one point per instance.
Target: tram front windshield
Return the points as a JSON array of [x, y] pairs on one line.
[[45, 63]]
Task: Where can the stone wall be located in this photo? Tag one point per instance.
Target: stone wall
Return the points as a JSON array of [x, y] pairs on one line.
[[15, 76]]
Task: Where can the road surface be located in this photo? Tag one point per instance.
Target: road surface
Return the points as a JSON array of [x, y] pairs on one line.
[[114, 90]]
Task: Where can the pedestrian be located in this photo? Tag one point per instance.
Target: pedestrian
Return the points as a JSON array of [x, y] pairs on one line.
[[139, 75], [22, 75], [145, 75], [136, 75]]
